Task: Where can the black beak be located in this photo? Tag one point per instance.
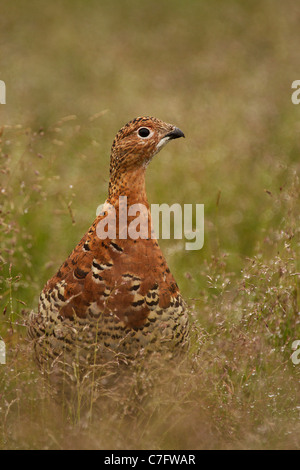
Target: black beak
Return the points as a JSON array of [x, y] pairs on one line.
[[175, 133]]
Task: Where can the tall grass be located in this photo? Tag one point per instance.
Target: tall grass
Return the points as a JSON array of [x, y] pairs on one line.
[[222, 73]]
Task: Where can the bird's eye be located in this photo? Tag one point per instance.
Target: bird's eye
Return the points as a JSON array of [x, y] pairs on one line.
[[143, 132]]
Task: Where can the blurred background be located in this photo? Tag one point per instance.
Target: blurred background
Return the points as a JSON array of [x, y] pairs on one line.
[[75, 72]]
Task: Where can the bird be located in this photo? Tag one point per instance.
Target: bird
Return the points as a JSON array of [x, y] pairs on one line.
[[115, 296]]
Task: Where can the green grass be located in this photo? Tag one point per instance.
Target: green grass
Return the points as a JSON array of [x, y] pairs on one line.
[[222, 72]]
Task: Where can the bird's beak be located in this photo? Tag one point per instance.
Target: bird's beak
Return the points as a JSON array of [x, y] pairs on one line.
[[175, 134]]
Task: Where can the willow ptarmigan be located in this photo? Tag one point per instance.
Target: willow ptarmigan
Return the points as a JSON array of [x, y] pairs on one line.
[[115, 295]]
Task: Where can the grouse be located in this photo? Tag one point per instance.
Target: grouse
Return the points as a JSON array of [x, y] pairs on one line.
[[114, 294]]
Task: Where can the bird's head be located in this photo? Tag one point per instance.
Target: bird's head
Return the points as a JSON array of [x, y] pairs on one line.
[[138, 141]]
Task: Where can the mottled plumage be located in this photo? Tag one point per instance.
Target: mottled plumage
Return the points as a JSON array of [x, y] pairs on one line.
[[114, 296]]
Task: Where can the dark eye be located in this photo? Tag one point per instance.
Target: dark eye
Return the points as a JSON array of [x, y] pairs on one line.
[[143, 132]]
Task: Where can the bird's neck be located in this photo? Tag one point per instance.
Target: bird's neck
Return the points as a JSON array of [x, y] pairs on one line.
[[127, 194], [130, 184]]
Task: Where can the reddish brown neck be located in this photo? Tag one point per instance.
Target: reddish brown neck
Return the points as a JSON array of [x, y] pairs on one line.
[[130, 184]]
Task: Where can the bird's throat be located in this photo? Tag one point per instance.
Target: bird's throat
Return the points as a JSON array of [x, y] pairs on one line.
[[127, 195], [130, 184]]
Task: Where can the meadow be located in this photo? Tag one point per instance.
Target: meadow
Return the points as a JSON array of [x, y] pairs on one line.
[[75, 72]]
